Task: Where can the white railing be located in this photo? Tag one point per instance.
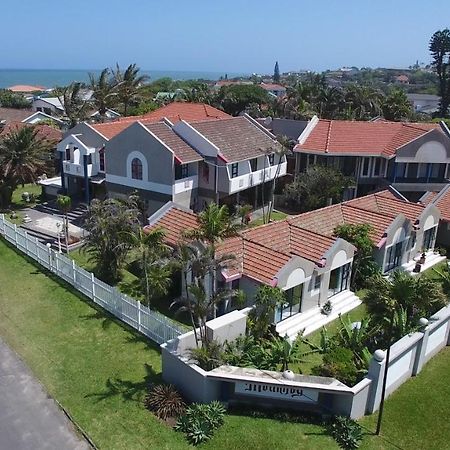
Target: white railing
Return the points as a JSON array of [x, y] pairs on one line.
[[151, 323], [185, 184]]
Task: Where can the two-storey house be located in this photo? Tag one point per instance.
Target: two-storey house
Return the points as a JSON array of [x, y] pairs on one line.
[[412, 157]]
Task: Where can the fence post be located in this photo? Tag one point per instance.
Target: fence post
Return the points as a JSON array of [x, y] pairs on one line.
[[74, 272], [93, 286], [26, 243], [15, 235], [139, 315], [36, 241], [419, 360]]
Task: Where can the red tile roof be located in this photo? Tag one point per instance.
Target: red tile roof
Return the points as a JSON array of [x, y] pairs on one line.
[[14, 115], [173, 111], [175, 222], [237, 138], [272, 87], [441, 200], [379, 138], [45, 132], [26, 88]]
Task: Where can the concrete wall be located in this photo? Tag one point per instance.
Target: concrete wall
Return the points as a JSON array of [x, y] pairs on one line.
[[408, 355]]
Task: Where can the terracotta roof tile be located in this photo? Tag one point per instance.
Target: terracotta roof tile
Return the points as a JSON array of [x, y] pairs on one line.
[[442, 201], [14, 115], [380, 138], [237, 138], [175, 221], [45, 132], [173, 111]]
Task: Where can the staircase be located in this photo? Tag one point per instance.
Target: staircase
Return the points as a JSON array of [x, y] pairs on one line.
[[76, 214], [313, 319]]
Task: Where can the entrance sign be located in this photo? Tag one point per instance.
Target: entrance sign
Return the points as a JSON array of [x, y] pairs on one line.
[[277, 391]]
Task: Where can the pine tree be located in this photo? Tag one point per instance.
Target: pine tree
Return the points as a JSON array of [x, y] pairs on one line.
[[276, 73]]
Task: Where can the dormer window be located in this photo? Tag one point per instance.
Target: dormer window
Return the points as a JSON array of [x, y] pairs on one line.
[[181, 171], [101, 155], [68, 153], [234, 170]]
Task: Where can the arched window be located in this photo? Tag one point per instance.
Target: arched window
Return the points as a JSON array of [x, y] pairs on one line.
[[136, 169], [101, 155]]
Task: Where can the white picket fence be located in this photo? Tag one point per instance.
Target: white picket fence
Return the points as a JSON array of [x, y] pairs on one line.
[[151, 323]]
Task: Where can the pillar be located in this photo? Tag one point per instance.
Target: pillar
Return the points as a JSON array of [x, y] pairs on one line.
[[86, 179]]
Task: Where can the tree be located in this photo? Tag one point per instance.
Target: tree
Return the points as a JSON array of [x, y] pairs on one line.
[[64, 203], [75, 106], [276, 73], [9, 99], [404, 295], [108, 223], [128, 84], [363, 102], [214, 224], [396, 106], [23, 157], [439, 47], [364, 265], [261, 316], [153, 253], [104, 92], [237, 98], [316, 187]]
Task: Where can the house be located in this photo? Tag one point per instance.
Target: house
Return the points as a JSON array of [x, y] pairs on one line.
[[413, 157], [39, 116], [276, 90], [311, 268], [51, 106], [193, 156], [26, 89], [303, 257], [424, 103], [442, 201], [401, 79], [8, 115]]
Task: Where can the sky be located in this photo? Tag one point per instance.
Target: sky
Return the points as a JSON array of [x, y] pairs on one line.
[[225, 36]]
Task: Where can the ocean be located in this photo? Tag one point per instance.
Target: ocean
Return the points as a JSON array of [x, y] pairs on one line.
[[52, 78]]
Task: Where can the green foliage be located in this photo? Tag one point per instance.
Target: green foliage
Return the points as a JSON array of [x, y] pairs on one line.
[[262, 315], [346, 432], [109, 223], [402, 294], [104, 92], [209, 356], [338, 363], [313, 189], [76, 108], [444, 278], [23, 157], [364, 265], [237, 98], [200, 421], [396, 106], [439, 47], [276, 73], [9, 99], [165, 401]]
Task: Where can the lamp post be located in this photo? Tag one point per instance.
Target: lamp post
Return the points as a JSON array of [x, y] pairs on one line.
[[58, 227]]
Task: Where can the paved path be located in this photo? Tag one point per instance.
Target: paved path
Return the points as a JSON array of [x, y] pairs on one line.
[[29, 419]]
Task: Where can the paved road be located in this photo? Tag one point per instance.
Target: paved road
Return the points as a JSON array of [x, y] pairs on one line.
[[29, 419]]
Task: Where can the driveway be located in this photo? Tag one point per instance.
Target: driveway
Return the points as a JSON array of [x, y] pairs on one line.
[[29, 419]]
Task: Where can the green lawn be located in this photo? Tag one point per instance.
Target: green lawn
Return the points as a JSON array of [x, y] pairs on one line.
[[17, 203], [276, 215], [98, 368]]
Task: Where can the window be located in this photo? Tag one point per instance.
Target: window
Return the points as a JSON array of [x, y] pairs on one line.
[[293, 303], [315, 285], [339, 280], [411, 171], [254, 164], [365, 167], [234, 170], [89, 159], [205, 172], [393, 256], [67, 153], [311, 160], [379, 166], [136, 169], [413, 240], [428, 238], [181, 171], [272, 159], [423, 170], [101, 155]]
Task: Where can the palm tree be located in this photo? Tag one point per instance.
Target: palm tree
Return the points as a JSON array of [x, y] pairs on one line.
[[363, 102], [440, 50], [75, 106], [153, 252], [104, 92], [128, 84], [396, 106], [64, 203], [23, 156]]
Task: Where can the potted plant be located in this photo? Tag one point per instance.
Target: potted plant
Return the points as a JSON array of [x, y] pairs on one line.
[[327, 308], [422, 258]]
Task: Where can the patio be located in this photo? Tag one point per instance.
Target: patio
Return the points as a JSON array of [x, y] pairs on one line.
[[431, 259]]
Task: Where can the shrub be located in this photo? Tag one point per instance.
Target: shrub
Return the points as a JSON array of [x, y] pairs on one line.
[[209, 356], [346, 432], [200, 421], [165, 401], [339, 364]]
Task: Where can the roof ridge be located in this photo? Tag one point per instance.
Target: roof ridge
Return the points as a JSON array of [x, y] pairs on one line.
[[328, 137]]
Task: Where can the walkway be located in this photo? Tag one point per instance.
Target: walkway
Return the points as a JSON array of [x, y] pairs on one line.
[[29, 419]]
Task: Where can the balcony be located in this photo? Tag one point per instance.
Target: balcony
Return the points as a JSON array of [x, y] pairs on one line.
[[248, 180], [185, 184], [78, 169]]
